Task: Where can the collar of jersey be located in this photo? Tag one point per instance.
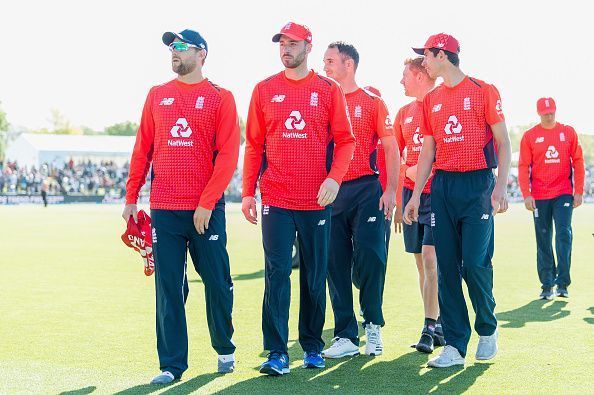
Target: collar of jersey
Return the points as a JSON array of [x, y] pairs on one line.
[[183, 85], [460, 84], [300, 82]]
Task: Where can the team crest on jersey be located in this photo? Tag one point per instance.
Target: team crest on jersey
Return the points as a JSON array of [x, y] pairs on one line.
[[200, 102], [277, 99], [467, 103], [408, 120], [539, 140], [562, 136], [436, 108], [358, 112], [167, 101], [313, 99], [552, 155]]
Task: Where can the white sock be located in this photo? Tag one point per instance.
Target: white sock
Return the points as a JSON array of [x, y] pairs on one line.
[[227, 358]]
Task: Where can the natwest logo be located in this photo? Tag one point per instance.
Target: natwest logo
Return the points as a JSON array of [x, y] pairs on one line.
[[180, 129], [417, 139], [552, 155], [453, 126], [295, 121]]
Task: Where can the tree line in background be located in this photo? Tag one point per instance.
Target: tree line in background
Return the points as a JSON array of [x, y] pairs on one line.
[[60, 124]]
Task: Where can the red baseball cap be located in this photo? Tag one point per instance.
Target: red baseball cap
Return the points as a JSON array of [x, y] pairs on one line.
[[440, 41], [546, 105], [295, 31]]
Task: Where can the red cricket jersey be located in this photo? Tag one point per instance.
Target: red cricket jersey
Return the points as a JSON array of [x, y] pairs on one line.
[[551, 162], [407, 127], [459, 119], [190, 133], [370, 120], [297, 134]]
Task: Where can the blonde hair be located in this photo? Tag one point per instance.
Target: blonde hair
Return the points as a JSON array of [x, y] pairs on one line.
[[416, 65]]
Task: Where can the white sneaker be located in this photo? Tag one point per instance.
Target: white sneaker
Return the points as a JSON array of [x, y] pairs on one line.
[[487, 346], [449, 357], [226, 363], [342, 347], [165, 377], [374, 346]]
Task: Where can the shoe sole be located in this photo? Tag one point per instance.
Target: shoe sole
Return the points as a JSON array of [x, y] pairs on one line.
[[424, 348], [374, 354], [312, 366], [347, 354], [487, 358], [434, 365], [273, 372]]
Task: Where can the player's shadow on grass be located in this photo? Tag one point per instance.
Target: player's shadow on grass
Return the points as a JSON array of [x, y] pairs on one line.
[[407, 373], [240, 277], [80, 391], [590, 320], [535, 311], [184, 387]]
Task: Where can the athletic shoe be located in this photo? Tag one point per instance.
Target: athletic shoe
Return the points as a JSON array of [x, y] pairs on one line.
[[374, 346], [226, 363], [164, 378], [342, 347], [438, 339], [487, 347], [276, 365], [547, 294], [312, 360], [449, 356], [562, 292], [425, 343]]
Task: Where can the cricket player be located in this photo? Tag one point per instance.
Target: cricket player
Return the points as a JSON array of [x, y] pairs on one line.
[[551, 175], [418, 239], [358, 243], [299, 145], [465, 138], [189, 133]]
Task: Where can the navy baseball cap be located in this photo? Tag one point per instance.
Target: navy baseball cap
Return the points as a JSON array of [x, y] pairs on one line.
[[187, 36]]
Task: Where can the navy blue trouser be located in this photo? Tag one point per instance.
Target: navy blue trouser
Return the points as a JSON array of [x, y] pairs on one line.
[[312, 228], [174, 235], [357, 255], [558, 210], [463, 231]]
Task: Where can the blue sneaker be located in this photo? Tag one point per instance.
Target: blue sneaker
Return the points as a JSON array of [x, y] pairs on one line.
[[276, 365], [313, 359]]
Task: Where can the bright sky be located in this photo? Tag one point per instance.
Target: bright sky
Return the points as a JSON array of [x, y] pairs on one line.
[[95, 61]]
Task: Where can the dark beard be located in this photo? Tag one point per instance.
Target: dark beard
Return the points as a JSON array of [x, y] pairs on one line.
[[295, 61], [183, 68]]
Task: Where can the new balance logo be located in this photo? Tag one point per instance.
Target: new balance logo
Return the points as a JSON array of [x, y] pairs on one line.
[[408, 120], [371, 219], [295, 122], [485, 216], [200, 102], [432, 220], [154, 235], [277, 99], [358, 112], [265, 210], [539, 140], [167, 101], [436, 108], [564, 205], [322, 222], [213, 237]]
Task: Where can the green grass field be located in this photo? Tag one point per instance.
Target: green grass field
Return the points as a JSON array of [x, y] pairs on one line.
[[77, 316]]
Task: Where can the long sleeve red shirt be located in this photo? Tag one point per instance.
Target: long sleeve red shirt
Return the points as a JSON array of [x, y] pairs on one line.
[[551, 162], [190, 134], [297, 134]]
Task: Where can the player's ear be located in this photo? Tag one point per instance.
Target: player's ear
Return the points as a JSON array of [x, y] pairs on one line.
[[307, 47]]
